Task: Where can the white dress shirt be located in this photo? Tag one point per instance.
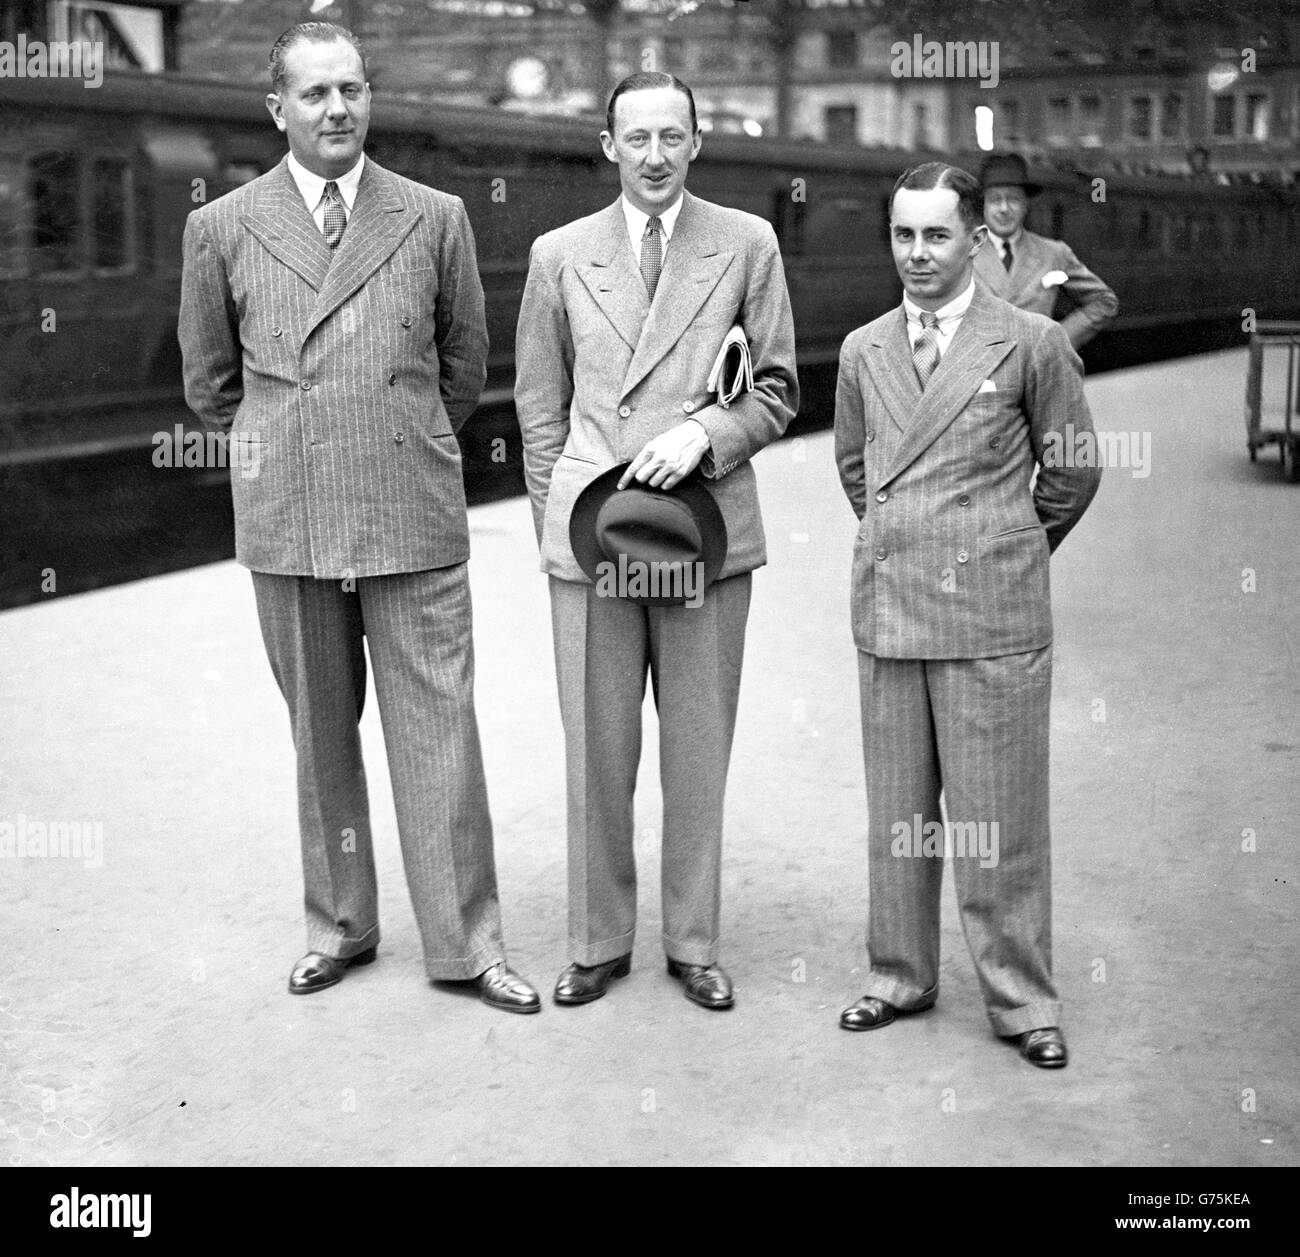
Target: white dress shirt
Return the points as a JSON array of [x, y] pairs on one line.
[[636, 222], [949, 316], [312, 188]]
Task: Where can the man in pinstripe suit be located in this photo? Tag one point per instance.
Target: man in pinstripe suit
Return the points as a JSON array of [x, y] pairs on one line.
[[945, 408], [332, 319]]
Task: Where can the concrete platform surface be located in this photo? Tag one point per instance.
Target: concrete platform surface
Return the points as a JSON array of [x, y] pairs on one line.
[[143, 1015]]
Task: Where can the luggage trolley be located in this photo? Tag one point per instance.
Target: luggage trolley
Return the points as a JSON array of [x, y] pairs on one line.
[[1284, 421]]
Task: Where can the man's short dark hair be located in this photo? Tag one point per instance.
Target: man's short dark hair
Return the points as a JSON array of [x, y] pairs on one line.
[[308, 32], [645, 81], [939, 174]]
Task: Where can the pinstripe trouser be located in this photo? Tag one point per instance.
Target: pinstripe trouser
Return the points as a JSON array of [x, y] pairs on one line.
[[603, 649], [419, 629], [977, 730]]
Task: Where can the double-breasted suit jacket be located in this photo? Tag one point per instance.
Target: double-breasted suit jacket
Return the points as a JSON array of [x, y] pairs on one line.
[[346, 372], [351, 371], [952, 618], [951, 557], [600, 371], [1033, 259]]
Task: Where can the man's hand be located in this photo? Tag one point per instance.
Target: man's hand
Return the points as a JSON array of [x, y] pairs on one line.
[[669, 458]]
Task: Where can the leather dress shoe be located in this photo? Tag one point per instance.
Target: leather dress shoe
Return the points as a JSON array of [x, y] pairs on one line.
[[870, 1013], [705, 985], [580, 984], [1044, 1048], [500, 987], [315, 972]]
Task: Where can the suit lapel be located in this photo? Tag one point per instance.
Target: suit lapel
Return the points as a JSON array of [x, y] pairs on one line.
[[889, 360], [1027, 266], [282, 222], [379, 222], [981, 342], [989, 264], [613, 280], [692, 269]]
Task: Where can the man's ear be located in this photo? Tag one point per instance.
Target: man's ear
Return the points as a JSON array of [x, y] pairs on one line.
[[276, 109], [981, 234], [607, 144]]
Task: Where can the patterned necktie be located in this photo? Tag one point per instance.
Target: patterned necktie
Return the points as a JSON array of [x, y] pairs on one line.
[[652, 255], [336, 217], [925, 353], [1006, 255]]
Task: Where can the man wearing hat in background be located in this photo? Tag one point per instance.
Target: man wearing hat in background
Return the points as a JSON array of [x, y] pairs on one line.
[[623, 314], [1029, 270]]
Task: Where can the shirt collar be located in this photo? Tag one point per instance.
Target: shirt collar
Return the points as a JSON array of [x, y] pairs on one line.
[[312, 187], [636, 220], [953, 310], [1000, 244]]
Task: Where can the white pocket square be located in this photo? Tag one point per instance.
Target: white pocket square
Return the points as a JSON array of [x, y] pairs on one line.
[[1054, 279], [988, 387]]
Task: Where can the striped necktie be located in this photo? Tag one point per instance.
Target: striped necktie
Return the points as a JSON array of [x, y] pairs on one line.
[[652, 255], [925, 353], [336, 217]]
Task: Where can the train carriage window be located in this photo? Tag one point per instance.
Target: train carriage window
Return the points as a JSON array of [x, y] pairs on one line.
[[54, 194], [111, 216], [13, 219], [789, 218], [1058, 221], [1144, 227]]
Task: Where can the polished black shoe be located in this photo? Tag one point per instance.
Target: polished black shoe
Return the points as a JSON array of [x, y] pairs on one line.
[[705, 985], [1044, 1048], [500, 987], [580, 984], [315, 972], [870, 1013]]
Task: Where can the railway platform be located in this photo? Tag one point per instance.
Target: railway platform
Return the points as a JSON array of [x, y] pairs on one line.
[[143, 1013]]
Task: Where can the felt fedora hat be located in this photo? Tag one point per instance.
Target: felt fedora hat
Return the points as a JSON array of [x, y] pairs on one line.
[[1009, 169], [628, 540]]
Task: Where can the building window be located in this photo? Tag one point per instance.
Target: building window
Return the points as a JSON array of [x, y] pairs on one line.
[[842, 49], [1172, 126], [1058, 119], [1010, 111], [1256, 122], [1139, 118], [921, 125], [54, 212], [841, 124], [1223, 117], [1090, 119]]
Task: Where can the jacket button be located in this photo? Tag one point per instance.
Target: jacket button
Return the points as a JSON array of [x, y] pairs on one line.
[[406, 320], [994, 442], [964, 500], [624, 411], [882, 496], [392, 377], [399, 437], [688, 407], [882, 554], [871, 436], [277, 331], [305, 386], [962, 556]]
